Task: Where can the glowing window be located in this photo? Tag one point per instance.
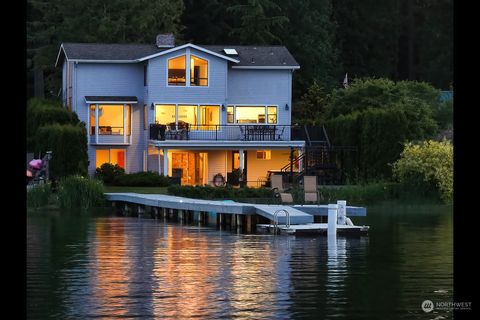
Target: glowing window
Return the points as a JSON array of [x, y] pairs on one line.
[[177, 71], [165, 113], [113, 156], [187, 114], [230, 114], [272, 114], [250, 114], [198, 71], [209, 117], [110, 119], [264, 154]]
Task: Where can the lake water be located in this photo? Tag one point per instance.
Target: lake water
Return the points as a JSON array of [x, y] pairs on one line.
[[93, 266]]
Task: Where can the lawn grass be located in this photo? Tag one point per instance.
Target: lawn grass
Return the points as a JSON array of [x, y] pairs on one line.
[[145, 190]]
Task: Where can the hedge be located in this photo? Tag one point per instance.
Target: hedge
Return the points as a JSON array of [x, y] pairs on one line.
[[68, 146]]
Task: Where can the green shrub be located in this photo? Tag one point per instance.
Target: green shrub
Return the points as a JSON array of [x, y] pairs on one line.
[[38, 195], [209, 192], [141, 179], [42, 112], [68, 144], [378, 135], [108, 173], [80, 192], [427, 165]]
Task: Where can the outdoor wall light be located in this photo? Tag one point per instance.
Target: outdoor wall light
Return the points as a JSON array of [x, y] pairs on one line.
[[152, 106], [286, 107], [223, 107]]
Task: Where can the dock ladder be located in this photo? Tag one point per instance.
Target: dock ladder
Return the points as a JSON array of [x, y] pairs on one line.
[[275, 220]]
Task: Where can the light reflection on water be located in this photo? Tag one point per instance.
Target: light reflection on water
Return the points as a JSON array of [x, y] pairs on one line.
[[129, 267]]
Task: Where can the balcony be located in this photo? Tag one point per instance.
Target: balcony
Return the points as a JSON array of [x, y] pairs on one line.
[[185, 131]]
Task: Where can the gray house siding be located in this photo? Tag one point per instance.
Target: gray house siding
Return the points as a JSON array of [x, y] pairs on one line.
[[262, 87], [64, 83], [93, 79], [159, 92]]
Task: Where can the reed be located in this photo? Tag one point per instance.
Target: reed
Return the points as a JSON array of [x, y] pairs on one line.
[[38, 195], [80, 192]]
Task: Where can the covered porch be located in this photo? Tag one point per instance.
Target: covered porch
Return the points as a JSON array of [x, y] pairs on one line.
[[199, 164]]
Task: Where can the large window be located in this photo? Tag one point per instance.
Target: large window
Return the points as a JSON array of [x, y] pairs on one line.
[[198, 117], [198, 71], [165, 113], [177, 75], [209, 116], [252, 114], [113, 156], [113, 119], [188, 114]]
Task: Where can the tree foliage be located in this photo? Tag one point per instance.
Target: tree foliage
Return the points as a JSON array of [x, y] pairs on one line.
[[426, 164], [398, 40], [68, 144]]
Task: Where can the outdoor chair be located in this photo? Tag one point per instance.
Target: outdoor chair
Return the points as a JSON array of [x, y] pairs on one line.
[[276, 182], [310, 189]]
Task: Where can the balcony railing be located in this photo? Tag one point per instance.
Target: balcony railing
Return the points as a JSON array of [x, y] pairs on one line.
[[226, 132]]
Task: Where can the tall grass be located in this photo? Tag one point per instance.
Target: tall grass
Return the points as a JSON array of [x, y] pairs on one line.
[[77, 192], [38, 195]]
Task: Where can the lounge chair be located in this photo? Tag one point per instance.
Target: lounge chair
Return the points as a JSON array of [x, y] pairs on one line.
[[310, 189], [276, 182]]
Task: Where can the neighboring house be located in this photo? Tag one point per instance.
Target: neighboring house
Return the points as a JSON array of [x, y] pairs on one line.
[[216, 108]]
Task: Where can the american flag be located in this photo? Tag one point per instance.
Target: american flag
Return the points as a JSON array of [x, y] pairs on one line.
[[345, 81]]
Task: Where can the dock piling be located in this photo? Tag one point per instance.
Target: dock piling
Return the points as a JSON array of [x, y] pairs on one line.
[[332, 219], [342, 212]]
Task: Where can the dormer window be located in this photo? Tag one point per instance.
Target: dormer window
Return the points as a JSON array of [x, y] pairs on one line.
[[198, 71], [177, 75]]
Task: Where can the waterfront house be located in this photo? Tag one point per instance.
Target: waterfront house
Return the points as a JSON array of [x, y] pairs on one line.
[[192, 111]]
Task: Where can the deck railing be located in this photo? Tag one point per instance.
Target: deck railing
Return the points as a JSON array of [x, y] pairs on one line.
[[261, 132]]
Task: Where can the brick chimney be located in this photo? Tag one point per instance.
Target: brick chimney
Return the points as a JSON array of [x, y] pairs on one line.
[[165, 40]]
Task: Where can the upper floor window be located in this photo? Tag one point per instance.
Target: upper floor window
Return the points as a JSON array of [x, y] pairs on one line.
[[113, 119], [197, 117], [198, 71], [196, 77], [177, 75], [252, 114]]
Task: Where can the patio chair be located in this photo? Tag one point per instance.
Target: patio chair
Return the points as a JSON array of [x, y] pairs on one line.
[[276, 182], [310, 189]]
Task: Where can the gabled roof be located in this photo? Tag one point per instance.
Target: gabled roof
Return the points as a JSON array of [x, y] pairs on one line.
[[249, 57], [259, 57]]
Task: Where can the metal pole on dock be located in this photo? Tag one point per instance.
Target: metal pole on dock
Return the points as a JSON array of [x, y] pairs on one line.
[[332, 219], [342, 212]]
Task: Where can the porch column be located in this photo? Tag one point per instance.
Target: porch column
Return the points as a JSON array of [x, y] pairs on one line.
[[96, 123], [159, 163], [241, 160], [124, 121], [165, 161]]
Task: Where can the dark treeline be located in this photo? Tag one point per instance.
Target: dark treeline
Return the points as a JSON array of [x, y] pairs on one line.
[[411, 39]]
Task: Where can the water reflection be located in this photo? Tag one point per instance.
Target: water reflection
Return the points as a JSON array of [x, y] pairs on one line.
[[128, 267]]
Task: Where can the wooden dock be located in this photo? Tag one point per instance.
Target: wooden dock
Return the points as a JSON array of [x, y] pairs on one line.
[[248, 216], [313, 229]]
